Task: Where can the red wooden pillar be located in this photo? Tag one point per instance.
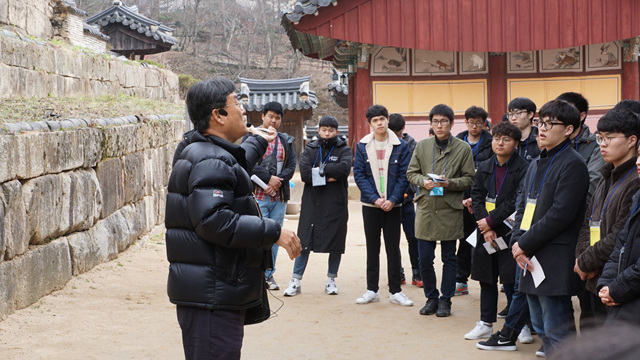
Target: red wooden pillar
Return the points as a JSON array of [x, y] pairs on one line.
[[359, 102], [497, 87], [630, 80]]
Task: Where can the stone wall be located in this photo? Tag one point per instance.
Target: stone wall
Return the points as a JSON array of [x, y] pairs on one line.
[[73, 196], [32, 17], [30, 68]]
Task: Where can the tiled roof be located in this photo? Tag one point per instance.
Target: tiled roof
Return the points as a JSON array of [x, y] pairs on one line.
[[94, 30], [71, 4], [299, 8], [129, 16], [285, 91], [339, 90]]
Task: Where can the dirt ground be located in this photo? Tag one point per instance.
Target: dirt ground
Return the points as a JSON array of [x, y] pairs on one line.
[[120, 310]]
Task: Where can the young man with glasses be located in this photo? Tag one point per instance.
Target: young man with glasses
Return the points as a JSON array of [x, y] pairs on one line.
[[494, 194], [275, 169], [618, 134], [618, 285], [442, 168], [217, 241], [549, 216], [521, 113], [480, 141]]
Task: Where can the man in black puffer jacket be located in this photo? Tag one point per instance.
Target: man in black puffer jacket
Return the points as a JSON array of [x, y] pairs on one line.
[[218, 244]]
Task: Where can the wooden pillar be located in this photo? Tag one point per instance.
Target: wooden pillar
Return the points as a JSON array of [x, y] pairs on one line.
[[630, 80], [359, 102], [497, 87]]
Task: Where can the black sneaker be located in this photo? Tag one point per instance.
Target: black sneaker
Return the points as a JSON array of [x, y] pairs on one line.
[[503, 314], [444, 308], [540, 352], [497, 342], [430, 307]]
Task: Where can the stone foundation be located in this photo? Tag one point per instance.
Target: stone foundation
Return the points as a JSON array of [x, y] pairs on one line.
[[72, 199]]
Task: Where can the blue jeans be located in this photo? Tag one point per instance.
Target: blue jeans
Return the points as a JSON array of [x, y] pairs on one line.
[[273, 210], [426, 254], [551, 317], [518, 315], [301, 264]]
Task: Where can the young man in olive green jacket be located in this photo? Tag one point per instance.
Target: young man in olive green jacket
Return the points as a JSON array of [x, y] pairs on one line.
[[442, 167]]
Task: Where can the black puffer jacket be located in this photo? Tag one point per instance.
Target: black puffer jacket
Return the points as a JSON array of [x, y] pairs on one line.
[[217, 242]]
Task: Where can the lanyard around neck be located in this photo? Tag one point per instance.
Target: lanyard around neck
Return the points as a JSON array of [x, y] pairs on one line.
[[433, 161], [320, 154], [501, 183], [610, 196], [533, 180]]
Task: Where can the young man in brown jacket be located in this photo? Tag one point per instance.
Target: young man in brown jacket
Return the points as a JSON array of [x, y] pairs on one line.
[[618, 133]]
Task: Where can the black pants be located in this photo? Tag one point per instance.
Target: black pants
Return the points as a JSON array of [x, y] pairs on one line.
[[409, 227], [465, 250], [489, 300], [376, 219], [211, 334], [593, 312]]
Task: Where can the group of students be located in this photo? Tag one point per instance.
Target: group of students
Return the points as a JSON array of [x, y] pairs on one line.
[[542, 206], [554, 209]]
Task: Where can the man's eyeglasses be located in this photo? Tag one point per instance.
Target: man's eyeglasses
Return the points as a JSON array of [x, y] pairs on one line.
[[503, 139], [238, 104], [606, 140], [515, 114], [474, 124], [546, 125], [440, 122]]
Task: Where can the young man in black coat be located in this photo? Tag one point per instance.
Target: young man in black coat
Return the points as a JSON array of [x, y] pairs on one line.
[[549, 216], [325, 166], [493, 197], [479, 139], [218, 245], [619, 285]]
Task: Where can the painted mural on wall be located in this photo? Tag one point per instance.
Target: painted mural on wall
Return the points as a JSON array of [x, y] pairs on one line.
[[427, 62], [473, 63], [390, 61], [521, 62], [561, 60], [603, 56]]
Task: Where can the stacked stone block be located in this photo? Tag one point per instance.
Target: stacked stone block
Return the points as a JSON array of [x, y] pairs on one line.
[[73, 196]]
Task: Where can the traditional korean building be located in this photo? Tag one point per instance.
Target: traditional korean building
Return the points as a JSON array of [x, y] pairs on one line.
[[413, 54], [131, 33], [294, 95]]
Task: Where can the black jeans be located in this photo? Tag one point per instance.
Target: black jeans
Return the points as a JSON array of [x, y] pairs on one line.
[[211, 334], [409, 227], [465, 250], [489, 300], [375, 220], [593, 312]]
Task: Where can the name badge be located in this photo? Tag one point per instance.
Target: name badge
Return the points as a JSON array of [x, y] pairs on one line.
[[594, 230], [316, 179], [437, 191], [527, 218], [490, 204]]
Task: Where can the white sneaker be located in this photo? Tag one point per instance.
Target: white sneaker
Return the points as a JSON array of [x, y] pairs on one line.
[[368, 297], [294, 288], [400, 299], [481, 331], [525, 336], [331, 288]]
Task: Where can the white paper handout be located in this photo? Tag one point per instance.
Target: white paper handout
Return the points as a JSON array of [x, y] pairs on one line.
[[473, 238], [258, 181], [537, 273], [435, 177], [490, 249], [511, 220], [501, 244]]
